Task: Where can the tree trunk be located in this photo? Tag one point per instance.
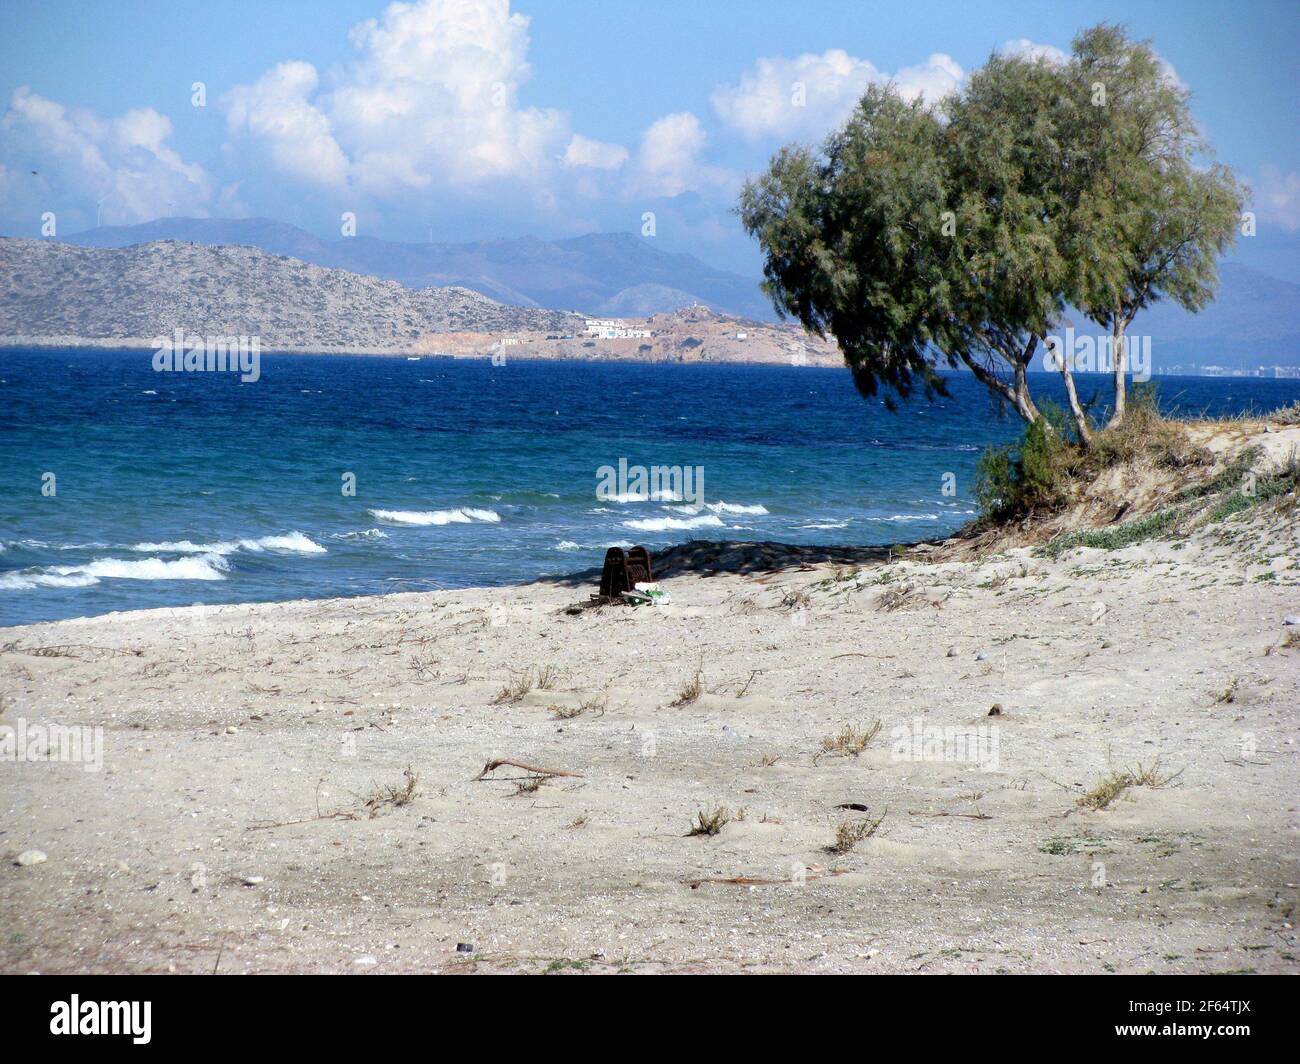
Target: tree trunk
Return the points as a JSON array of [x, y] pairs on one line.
[[1024, 404], [1118, 325], [1076, 410]]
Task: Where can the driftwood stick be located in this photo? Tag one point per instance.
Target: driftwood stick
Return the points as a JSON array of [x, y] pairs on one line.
[[493, 765]]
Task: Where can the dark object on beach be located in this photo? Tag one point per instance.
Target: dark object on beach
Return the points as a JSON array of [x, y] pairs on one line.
[[996, 711], [464, 947], [623, 571]]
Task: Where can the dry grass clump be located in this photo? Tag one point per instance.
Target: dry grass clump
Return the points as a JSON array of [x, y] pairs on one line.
[[1113, 784], [1229, 694], [514, 688], [850, 832], [851, 739], [1144, 434], [795, 599], [1288, 415], [896, 598], [528, 785], [710, 823], [393, 795], [595, 705], [691, 689], [519, 684], [425, 667]]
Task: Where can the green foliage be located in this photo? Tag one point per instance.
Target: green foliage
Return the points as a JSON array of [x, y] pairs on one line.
[[851, 239], [1014, 481], [1117, 536], [1146, 212]]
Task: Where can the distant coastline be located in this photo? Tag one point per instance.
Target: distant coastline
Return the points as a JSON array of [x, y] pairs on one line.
[[612, 351], [609, 353]]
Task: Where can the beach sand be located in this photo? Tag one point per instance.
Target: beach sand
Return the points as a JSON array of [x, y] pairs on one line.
[[228, 828]]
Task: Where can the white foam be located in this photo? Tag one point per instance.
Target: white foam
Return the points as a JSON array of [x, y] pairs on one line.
[[37, 544], [369, 533], [461, 515], [722, 508], [292, 543], [641, 496], [25, 581], [736, 508], [196, 567], [663, 524]]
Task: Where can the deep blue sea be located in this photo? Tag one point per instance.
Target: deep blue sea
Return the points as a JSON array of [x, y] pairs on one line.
[[171, 489]]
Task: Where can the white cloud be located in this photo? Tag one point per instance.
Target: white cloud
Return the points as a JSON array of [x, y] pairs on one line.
[[277, 112], [431, 99], [787, 97], [1277, 196], [124, 163], [594, 154], [667, 162], [1023, 48], [938, 76], [811, 94]]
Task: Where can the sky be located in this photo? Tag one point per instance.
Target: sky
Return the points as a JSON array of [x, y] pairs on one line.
[[474, 119]]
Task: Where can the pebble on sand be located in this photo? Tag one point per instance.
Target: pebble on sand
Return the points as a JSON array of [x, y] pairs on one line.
[[30, 857], [1291, 618]]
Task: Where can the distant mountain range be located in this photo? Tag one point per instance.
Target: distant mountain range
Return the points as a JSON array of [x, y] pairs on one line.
[[602, 273]]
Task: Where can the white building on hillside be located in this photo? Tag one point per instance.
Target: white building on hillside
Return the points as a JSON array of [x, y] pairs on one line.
[[614, 329]]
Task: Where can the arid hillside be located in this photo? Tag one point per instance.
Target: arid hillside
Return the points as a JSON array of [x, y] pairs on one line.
[[68, 296]]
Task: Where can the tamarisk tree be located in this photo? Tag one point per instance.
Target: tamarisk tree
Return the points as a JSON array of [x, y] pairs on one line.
[[1143, 220], [958, 233]]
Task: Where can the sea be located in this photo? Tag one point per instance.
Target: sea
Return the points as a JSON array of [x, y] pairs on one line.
[[123, 488]]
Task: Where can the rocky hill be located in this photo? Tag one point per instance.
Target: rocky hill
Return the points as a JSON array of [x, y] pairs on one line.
[[54, 294], [60, 293]]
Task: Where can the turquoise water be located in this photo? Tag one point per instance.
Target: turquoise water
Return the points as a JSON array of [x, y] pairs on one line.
[[172, 489]]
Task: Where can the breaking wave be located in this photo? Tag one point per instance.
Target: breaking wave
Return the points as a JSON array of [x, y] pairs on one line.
[[292, 543], [664, 524], [197, 567], [461, 515]]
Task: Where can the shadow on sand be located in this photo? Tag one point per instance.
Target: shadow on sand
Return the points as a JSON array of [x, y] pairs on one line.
[[708, 558]]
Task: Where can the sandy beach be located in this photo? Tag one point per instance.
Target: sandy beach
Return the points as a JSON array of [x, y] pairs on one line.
[[251, 812]]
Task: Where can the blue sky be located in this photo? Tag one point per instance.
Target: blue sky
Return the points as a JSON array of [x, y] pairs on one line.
[[483, 118]]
